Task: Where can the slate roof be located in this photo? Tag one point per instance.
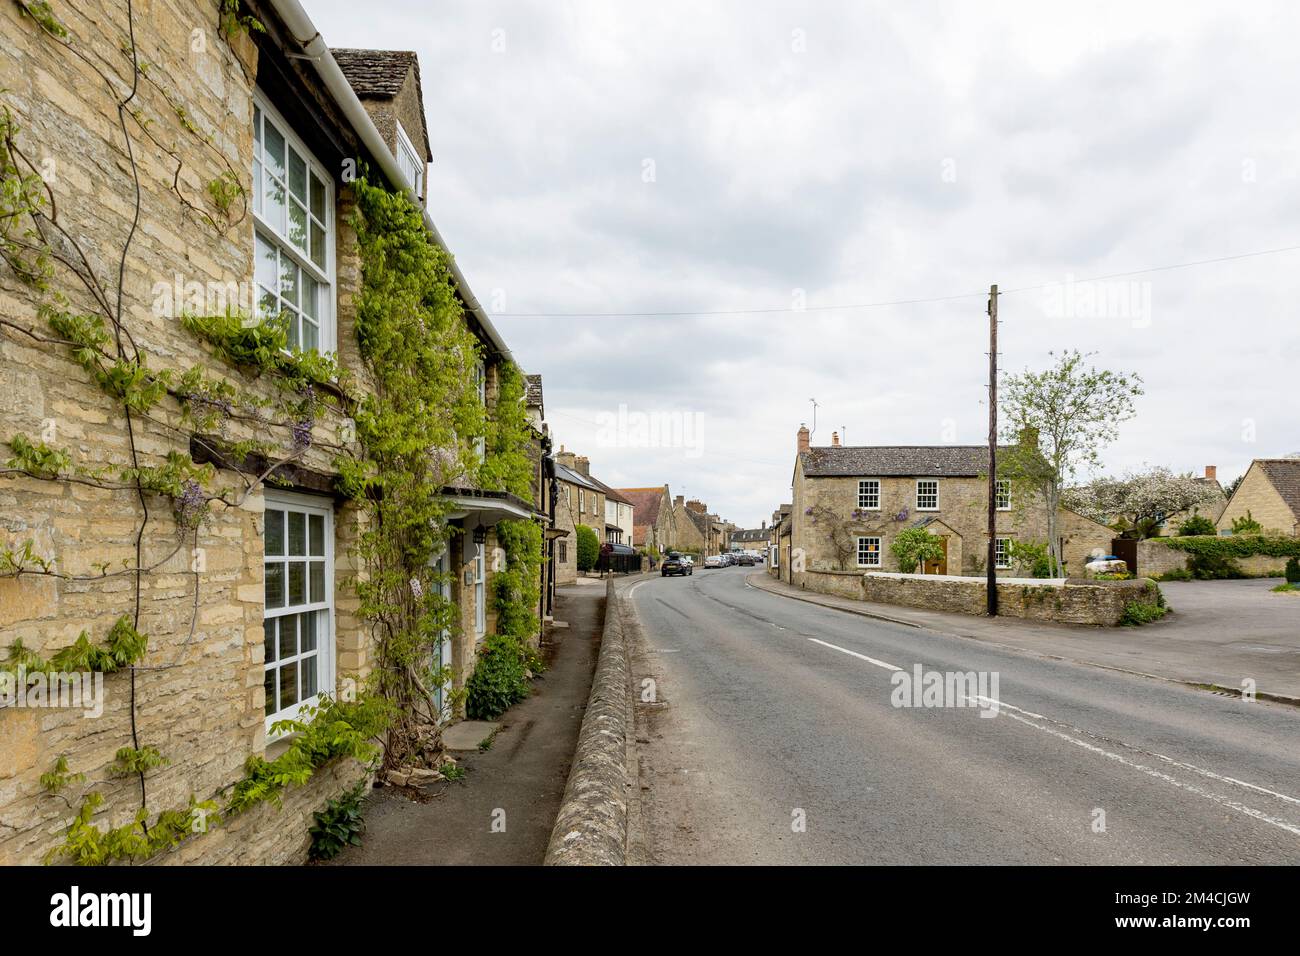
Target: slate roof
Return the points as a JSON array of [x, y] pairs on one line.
[[613, 494], [574, 478], [377, 74], [898, 461], [750, 534], [1284, 475]]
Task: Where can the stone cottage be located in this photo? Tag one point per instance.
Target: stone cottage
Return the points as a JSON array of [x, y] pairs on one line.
[[1270, 492], [245, 144], [850, 502]]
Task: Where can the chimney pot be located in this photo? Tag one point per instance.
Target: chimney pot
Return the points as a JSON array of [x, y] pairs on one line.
[[835, 439], [803, 439], [1212, 472]]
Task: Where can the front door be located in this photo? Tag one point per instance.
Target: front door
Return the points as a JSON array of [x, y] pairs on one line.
[[938, 565]]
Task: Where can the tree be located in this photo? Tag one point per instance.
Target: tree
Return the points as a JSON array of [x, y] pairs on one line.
[[1030, 558], [1246, 524], [588, 548], [1059, 421], [913, 546], [1139, 501], [1196, 524]]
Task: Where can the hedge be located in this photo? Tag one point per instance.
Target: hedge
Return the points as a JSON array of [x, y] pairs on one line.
[[1236, 546]]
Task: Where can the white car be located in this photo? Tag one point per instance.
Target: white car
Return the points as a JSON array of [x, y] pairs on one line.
[[713, 561]]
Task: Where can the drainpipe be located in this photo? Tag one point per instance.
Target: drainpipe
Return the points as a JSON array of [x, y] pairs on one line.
[[316, 50]]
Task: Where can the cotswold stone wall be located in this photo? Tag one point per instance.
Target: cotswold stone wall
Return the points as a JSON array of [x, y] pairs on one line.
[[1154, 556], [1099, 603], [199, 690]]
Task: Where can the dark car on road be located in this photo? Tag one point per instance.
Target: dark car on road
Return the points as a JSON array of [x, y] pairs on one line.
[[675, 564], [745, 560]]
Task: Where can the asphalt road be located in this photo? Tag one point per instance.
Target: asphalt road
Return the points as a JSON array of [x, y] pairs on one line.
[[772, 738]]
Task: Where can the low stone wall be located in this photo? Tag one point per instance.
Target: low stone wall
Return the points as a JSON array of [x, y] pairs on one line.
[[1154, 556], [591, 827], [1072, 601]]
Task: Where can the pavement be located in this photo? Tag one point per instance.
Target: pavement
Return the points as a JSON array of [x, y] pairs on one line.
[[774, 736], [502, 811], [1220, 634]]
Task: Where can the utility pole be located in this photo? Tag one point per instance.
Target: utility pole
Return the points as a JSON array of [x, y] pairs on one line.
[[992, 578]]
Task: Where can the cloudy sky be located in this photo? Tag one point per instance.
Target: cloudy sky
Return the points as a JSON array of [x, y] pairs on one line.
[[691, 157]]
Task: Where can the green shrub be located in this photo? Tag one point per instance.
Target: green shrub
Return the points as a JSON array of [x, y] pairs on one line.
[[1285, 588], [1177, 574], [1030, 558], [1246, 525], [1293, 571], [1213, 566], [1137, 613], [339, 825], [914, 545], [1196, 524], [500, 678], [588, 548]]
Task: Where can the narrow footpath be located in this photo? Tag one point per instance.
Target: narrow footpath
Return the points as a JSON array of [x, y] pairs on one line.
[[518, 780]]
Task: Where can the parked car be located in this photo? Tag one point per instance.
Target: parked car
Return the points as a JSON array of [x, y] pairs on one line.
[[675, 564], [745, 560], [713, 561]]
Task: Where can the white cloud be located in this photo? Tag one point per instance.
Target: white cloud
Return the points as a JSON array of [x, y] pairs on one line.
[[1084, 141]]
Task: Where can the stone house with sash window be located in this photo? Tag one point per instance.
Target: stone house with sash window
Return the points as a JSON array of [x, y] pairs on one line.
[[245, 144], [851, 502]]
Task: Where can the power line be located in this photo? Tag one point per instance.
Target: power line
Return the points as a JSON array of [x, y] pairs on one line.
[[889, 302]]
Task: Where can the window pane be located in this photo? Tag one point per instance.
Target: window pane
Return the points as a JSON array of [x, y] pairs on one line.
[[267, 266], [310, 295], [317, 245], [288, 281], [288, 686], [273, 207], [297, 582], [288, 636], [316, 525], [268, 639], [257, 185], [257, 125], [292, 318], [274, 152], [268, 684], [310, 338], [317, 581], [317, 198], [275, 585], [297, 175], [308, 631], [274, 531], [297, 224], [308, 678], [297, 533]]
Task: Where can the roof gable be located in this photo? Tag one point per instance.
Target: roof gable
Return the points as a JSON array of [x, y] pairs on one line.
[[1284, 475]]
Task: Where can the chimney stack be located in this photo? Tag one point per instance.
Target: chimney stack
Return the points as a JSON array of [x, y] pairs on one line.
[[677, 502], [803, 438], [582, 464], [1211, 472], [835, 439], [565, 458]]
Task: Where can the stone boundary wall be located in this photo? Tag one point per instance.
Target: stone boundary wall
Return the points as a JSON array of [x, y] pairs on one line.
[[1065, 601], [591, 827], [1154, 556]]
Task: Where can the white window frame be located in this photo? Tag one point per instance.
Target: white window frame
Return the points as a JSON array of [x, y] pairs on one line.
[[927, 481], [480, 384], [291, 502], [1002, 547], [1003, 496], [865, 496], [877, 553], [408, 155], [480, 590], [271, 233], [582, 501]]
